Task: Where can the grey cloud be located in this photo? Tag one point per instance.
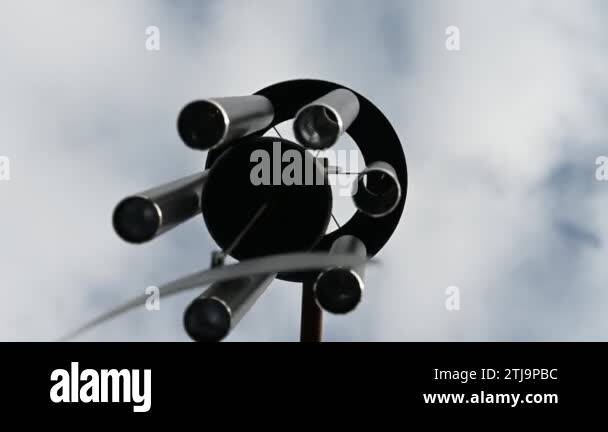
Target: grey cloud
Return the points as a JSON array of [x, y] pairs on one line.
[[500, 140]]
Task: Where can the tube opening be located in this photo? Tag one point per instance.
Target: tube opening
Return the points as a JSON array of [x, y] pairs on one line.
[[377, 192], [202, 125], [207, 320], [338, 290], [137, 219], [317, 127]]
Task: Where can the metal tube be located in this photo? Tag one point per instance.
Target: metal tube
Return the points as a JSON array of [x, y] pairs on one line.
[[377, 191], [205, 124], [210, 317], [320, 124], [146, 215], [339, 289]]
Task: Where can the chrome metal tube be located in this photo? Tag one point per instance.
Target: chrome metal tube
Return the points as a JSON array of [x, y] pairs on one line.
[[377, 191], [320, 124], [205, 124], [146, 215], [210, 317], [339, 289]]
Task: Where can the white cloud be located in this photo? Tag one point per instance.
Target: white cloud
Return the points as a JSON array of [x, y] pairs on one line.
[[90, 118]]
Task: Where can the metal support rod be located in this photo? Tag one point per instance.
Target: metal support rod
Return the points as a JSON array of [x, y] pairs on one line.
[[311, 326]]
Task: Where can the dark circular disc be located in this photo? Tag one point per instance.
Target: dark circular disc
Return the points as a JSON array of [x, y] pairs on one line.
[[207, 320], [338, 291], [201, 125], [293, 218], [136, 219]]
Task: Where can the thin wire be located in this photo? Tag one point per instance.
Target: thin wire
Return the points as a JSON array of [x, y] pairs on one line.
[[335, 220], [259, 212], [238, 239], [332, 214], [242, 234], [253, 220], [249, 225]]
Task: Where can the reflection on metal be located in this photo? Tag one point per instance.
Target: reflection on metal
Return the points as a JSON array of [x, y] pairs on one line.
[[210, 123], [320, 124], [377, 191], [146, 215], [339, 289], [212, 315]]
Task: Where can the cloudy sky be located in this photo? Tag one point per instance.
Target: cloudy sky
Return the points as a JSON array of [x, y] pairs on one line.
[[501, 140]]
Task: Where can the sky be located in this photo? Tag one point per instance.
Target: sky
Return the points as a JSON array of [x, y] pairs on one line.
[[501, 139]]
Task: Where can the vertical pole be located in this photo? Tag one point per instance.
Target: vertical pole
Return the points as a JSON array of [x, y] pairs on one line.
[[311, 326]]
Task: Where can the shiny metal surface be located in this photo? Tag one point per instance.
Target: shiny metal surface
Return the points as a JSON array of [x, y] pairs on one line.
[[339, 289], [212, 315], [146, 215], [377, 191], [211, 123], [320, 124]]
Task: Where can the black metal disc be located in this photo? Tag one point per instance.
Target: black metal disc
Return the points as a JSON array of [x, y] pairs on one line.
[[295, 217]]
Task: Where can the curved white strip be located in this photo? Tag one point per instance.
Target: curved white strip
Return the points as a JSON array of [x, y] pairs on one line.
[[270, 264]]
